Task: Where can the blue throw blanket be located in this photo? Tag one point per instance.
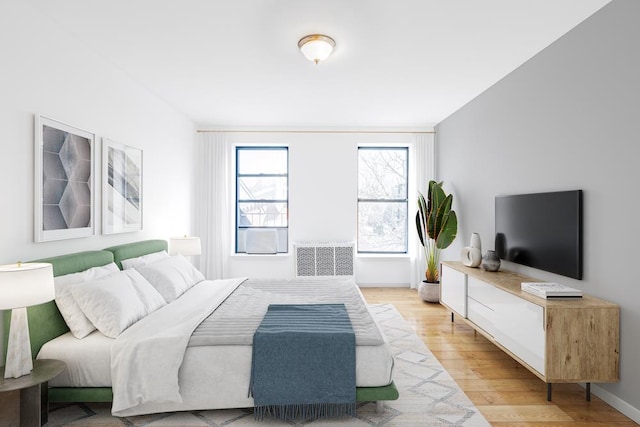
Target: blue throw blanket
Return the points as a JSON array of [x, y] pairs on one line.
[[304, 362]]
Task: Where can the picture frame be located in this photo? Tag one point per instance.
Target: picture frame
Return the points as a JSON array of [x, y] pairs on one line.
[[121, 188], [64, 181]]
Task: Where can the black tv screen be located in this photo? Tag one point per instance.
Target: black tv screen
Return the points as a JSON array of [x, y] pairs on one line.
[[542, 230]]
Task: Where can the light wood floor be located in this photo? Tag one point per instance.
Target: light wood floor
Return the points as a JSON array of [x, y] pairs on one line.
[[505, 393]]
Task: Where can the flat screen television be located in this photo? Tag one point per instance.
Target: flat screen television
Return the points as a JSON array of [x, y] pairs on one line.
[[541, 230]]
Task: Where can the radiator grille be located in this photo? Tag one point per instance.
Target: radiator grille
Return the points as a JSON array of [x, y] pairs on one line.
[[315, 259]]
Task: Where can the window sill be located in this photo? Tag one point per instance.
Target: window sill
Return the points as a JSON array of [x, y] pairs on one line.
[[278, 255], [381, 257]]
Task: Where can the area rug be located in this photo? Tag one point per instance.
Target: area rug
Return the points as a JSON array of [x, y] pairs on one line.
[[428, 396]]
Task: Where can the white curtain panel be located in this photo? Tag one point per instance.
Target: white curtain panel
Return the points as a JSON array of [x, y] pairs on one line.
[[425, 168], [213, 211]]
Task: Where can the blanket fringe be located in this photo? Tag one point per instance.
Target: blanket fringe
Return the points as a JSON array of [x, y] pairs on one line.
[[303, 411]]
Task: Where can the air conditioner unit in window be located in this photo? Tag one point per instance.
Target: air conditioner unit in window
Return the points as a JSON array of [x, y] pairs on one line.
[[261, 241]]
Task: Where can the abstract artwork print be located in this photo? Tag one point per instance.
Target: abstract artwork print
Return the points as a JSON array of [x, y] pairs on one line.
[[121, 188], [64, 189]]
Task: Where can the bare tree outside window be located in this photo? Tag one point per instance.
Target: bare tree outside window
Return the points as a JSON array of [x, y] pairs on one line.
[[382, 199]]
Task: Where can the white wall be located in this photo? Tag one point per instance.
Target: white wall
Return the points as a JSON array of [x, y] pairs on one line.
[[566, 119], [45, 71], [323, 185]]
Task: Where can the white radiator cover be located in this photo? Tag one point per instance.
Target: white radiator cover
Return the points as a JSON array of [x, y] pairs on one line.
[[324, 259]]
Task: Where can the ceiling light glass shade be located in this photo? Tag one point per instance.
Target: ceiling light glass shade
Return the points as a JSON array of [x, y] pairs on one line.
[[316, 47]]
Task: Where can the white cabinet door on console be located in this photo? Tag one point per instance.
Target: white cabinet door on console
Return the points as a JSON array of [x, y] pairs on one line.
[[453, 290], [522, 330], [514, 322]]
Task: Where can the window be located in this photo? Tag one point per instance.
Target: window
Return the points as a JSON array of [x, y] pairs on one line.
[[382, 199], [262, 195]]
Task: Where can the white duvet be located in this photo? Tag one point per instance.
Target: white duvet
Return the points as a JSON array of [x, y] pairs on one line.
[[171, 361], [146, 358]]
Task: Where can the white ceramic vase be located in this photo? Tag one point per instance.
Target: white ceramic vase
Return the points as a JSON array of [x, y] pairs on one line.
[[471, 257], [475, 241]]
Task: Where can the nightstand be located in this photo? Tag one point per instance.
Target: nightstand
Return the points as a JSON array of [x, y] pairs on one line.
[[34, 396]]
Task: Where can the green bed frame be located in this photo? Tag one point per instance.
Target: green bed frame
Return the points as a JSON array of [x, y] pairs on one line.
[[46, 322]]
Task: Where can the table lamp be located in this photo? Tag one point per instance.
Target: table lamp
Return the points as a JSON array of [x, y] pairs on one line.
[[23, 285], [186, 246]]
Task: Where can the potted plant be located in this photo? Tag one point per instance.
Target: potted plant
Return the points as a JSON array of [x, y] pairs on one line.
[[437, 226]]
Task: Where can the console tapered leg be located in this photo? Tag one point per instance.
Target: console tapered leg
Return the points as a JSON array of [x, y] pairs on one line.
[[548, 392], [588, 392]]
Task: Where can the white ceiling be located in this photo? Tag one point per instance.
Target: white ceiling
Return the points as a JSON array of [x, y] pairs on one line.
[[235, 63]]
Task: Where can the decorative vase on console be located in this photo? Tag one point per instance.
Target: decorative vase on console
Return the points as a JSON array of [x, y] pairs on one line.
[[490, 261], [471, 255], [475, 241]]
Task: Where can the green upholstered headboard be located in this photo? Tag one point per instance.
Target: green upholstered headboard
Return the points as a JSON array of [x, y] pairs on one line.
[[136, 249], [45, 321]]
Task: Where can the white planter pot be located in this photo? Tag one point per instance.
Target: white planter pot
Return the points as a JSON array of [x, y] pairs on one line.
[[429, 292]]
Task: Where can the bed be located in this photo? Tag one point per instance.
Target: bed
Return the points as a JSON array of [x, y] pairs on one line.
[[210, 376]]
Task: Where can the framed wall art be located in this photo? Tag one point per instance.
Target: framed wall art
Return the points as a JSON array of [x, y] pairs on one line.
[[121, 188], [64, 181]]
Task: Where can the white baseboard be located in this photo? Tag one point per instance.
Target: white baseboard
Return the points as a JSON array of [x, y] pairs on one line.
[[382, 285], [616, 402]]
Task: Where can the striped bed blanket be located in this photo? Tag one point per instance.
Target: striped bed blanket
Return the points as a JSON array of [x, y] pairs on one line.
[[238, 318]]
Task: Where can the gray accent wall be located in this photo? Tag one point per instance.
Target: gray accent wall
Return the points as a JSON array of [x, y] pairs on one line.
[[569, 118]]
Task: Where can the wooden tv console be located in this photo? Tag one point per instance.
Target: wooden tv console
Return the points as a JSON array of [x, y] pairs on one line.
[[560, 341]]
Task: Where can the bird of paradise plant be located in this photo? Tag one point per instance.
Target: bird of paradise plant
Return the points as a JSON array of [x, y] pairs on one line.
[[437, 226]]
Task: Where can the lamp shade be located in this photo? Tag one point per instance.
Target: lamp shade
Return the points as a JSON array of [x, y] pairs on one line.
[[186, 246], [316, 47], [25, 284]]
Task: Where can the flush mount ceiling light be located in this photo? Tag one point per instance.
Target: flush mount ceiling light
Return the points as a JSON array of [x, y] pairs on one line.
[[316, 47]]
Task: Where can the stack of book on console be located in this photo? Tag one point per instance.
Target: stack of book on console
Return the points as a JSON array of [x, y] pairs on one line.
[[550, 290]]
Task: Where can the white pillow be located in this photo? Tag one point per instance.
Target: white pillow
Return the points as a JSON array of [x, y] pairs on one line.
[[111, 303], [143, 260], [151, 298], [78, 323], [171, 276]]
